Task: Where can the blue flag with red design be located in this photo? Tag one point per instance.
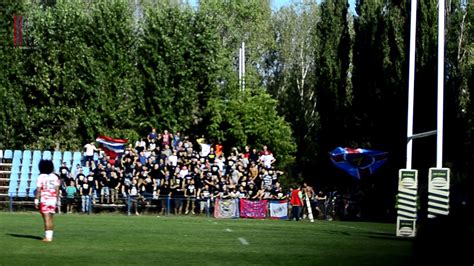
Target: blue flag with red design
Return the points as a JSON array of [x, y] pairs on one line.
[[358, 162]]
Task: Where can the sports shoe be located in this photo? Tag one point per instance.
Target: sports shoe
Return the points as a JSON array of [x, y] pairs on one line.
[[47, 240]]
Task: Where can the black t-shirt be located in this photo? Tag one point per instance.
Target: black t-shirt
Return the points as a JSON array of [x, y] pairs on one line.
[[149, 187], [190, 190], [113, 182], [178, 191], [253, 157], [104, 181], [215, 169], [97, 177], [211, 156], [155, 173], [86, 189], [164, 190], [80, 179], [205, 194], [63, 172]]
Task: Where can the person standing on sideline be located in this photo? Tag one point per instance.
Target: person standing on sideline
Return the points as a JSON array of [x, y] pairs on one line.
[[296, 202], [47, 194], [86, 192]]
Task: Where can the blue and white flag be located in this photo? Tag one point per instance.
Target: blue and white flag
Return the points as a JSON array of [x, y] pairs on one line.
[[358, 162]]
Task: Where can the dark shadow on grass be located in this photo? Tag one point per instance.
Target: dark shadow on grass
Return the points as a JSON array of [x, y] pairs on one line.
[[334, 232], [25, 236], [392, 238], [382, 234]]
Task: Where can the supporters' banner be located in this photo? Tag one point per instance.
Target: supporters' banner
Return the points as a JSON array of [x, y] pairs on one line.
[[253, 209], [226, 208], [358, 162], [279, 209], [111, 146]]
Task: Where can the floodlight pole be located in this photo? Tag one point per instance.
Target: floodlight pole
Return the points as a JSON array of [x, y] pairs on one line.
[[240, 67], [243, 65]]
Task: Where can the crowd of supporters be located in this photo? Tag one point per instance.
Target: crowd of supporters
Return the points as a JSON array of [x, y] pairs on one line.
[[174, 172]]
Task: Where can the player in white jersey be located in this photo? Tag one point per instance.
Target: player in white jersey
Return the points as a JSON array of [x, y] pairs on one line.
[[47, 194]]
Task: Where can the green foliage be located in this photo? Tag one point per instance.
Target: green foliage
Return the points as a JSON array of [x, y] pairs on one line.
[[77, 79], [13, 111], [240, 21], [380, 75], [178, 61], [458, 88], [121, 67], [251, 119], [332, 60], [290, 78]]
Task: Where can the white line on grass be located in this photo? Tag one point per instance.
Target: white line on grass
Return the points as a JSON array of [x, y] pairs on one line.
[[243, 241], [229, 230]]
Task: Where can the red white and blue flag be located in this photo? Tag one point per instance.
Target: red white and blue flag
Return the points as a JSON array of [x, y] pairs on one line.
[[111, 146], [358, 162]]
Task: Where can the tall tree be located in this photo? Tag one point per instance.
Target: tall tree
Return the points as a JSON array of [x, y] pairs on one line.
[[379, 76], [243, 21], [290, 74], [331, 76], [76, 78], [251, 118], [459, 147], [179, 59], [13, 113]]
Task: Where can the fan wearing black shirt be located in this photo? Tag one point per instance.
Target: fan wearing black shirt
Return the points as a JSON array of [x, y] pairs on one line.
[[114, 186], [177, 191], [190, 194], [164, 193], [65, 173]]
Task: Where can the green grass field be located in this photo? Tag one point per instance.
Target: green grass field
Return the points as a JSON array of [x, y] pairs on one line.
[[148, 240]]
